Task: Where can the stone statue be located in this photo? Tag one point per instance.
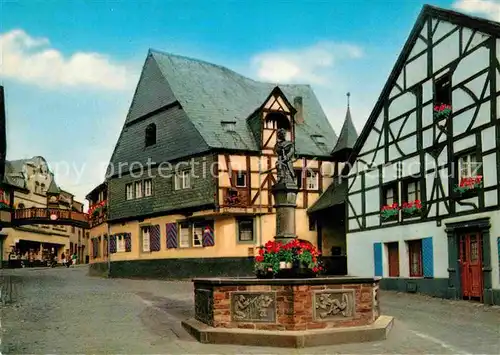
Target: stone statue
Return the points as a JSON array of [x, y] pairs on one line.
[[285, 151]]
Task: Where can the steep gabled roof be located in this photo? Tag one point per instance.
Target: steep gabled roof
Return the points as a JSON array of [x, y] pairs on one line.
[[428, 11], [335, 194], [208, 95], [348, 135]]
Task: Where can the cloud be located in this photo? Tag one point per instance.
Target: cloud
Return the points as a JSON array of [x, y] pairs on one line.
[[32, 60], [331, 68], [487, 8], [306, 65]]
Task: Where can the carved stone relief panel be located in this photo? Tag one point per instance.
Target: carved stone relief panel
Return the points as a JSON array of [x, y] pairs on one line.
[[334, 305], [253, 307], [203, 305]]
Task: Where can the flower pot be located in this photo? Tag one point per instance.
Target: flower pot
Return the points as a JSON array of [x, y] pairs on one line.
[[264, 274], [288, 265], [283, 265]]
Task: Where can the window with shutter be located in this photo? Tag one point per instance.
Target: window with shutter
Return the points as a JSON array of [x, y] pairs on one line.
[[128, 242], [171, 235], [184, 235], [154, 235], [145, 239]]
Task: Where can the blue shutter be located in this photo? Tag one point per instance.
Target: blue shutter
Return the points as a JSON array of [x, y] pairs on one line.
[[427, 257], [171, 235], [377, 258]]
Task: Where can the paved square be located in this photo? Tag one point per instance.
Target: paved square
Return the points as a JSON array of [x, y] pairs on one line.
[[64, 311]]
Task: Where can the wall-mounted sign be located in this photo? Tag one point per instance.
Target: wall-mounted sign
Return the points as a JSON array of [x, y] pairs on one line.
[[53, 217]]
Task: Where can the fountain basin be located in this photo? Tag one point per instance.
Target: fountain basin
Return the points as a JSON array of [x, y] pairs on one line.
[[287, 312]]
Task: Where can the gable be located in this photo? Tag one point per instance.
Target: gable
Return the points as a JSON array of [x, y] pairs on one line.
[[152, 93], [440, 42]]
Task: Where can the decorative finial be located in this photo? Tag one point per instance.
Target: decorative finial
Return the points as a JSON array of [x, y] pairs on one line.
[[348, 96]]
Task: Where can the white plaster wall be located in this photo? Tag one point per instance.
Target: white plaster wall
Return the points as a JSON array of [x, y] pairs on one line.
[[360, 246]]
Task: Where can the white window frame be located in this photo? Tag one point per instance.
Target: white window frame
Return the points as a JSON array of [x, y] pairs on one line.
[[138, 189], [197, 242], [312, 180], [468, 166], [148, 187], [413, 190], [183, 180], [129, 191], [184, 239], [244, 175], [391, 198], [146, 239], [120, 244]]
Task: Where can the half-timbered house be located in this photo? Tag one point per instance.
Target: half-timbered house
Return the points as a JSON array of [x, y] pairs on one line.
[[423, 186], [189, 182]]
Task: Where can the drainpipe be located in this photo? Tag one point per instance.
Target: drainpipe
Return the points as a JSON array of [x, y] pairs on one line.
[[260, 201]]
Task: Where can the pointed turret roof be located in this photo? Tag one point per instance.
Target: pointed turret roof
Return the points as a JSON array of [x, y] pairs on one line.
[[53, 189], [348, 134]]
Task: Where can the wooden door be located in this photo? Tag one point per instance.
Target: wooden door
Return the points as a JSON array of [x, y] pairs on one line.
[[471, 265], [393, 252]]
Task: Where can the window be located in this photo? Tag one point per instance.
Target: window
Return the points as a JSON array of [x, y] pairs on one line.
[[241, 179], [120, 243], [442, 90], [229, 126], [198, 234], [312, 224], [467, 166], [148, 187], [150, 135], [298, 176], [42, 188], [73, 229], [21, 205], [390, 194], [312, 180], [182, 180], [145, 239], [415, 257], [393, 257], [37, 187], [245, 230], [129, 191], [411, 190], [184, 235], [138, 189]]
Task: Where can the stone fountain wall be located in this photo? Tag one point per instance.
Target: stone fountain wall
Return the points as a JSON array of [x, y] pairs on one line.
[[304, 304]]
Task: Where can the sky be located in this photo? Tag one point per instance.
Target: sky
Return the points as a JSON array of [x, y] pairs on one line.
[[70, 68]]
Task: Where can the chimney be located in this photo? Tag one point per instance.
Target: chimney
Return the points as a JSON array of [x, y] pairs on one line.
[[3, 135], [299, 116]]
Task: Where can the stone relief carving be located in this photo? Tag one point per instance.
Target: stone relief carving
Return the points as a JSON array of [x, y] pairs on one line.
[[253, 306], [336, 304], [203, 306]]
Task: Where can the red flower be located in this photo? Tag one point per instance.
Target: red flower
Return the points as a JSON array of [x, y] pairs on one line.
[[259, 258]]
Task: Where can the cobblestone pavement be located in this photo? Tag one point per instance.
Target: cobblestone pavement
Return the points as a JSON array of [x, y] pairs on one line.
[[61, 311]]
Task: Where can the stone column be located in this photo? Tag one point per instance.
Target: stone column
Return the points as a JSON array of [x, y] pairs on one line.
[[285, 198]]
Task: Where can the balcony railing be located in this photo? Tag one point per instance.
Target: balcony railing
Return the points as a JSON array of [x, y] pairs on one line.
[[49, 216], [235, 197], [96, 219]]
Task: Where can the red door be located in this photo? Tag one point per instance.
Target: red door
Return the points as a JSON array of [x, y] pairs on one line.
[[471, 266]]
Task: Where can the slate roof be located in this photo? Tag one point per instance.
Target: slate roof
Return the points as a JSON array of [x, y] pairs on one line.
[[348, 135], [334, 195], [208, 94]]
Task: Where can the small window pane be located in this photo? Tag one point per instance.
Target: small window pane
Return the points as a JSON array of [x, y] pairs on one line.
[[197, 235], [184, 235], [245, 230], [241, 179], [145, 239]]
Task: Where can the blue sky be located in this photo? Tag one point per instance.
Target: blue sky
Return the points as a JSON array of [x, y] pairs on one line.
[[70, 67]]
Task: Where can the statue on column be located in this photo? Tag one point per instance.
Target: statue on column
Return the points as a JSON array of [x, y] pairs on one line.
[[285, 151]]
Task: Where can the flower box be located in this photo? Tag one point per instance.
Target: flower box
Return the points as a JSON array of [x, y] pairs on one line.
[[442, 111], [294, 259], [469, 184], [389, 211], [411, 208]]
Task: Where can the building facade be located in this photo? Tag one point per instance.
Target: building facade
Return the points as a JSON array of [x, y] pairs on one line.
[[190, 181], [423, 189], [35, 205]]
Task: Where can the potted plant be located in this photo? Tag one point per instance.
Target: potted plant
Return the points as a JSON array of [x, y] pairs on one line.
[[411, 208], [442, 111], [389, 211], [469, 183]]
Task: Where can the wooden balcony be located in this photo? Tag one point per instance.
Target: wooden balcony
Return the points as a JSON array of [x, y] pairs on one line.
[[97, 219], [236, 197], [57, 216]]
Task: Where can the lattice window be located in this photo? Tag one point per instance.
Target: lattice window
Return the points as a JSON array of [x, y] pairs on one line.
[[415, 257]]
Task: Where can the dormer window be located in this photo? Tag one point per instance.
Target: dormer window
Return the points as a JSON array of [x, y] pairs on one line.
[[150, 135], [42, 188], [37, 187], [319, 140], [229, 126]]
